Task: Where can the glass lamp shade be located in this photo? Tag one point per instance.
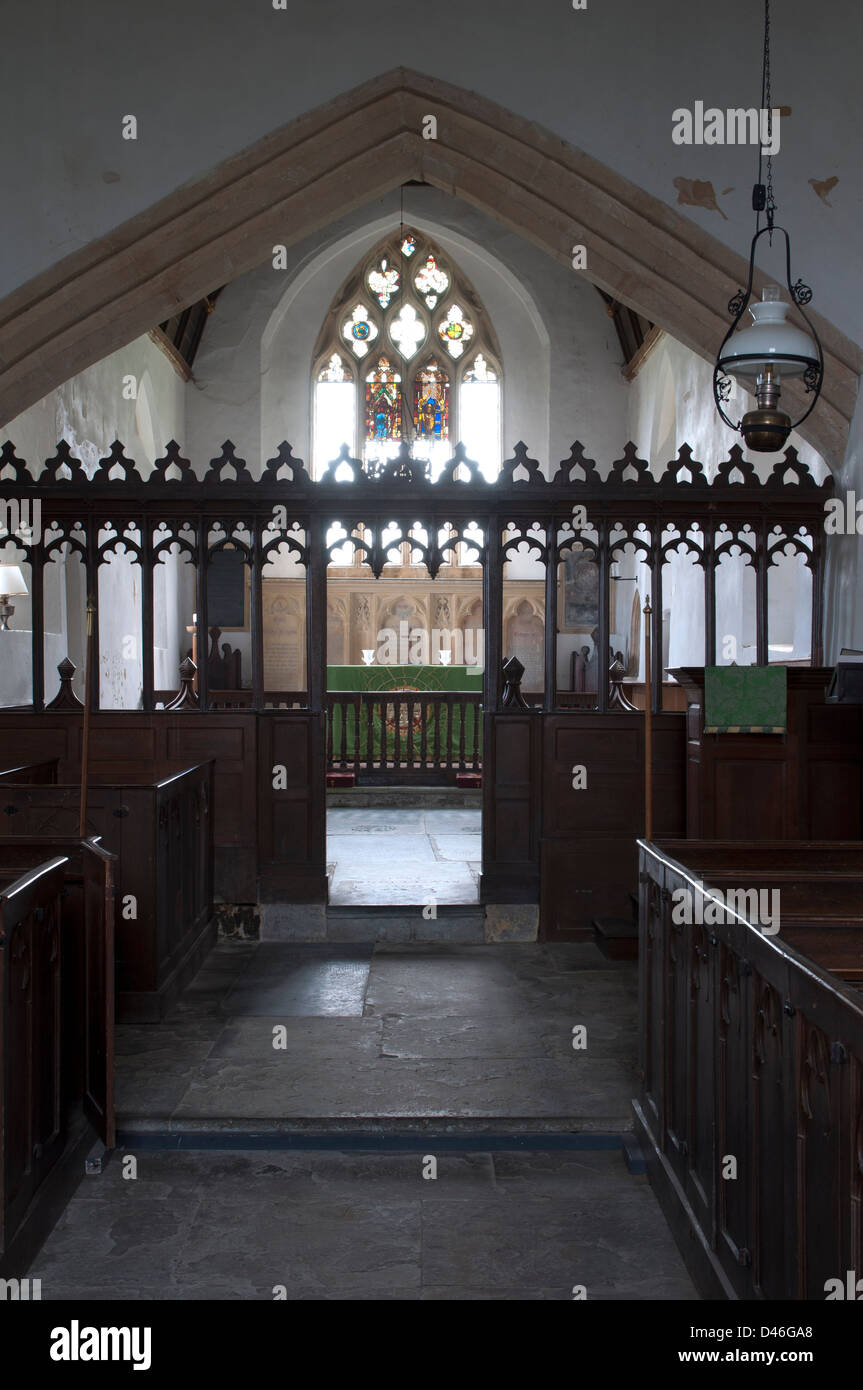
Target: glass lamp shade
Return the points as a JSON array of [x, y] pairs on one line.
[[12, 583], [770, 341], [368, 655]]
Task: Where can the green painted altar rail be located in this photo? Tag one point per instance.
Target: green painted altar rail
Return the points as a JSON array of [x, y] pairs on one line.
[[404, 730]]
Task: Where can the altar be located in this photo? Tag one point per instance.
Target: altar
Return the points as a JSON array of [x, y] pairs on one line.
[[379, 677]]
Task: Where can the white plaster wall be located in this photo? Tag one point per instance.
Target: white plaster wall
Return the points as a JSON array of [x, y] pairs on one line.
[[671, 403], [561, 357], [843, 624], [606, 79], [90, 411]]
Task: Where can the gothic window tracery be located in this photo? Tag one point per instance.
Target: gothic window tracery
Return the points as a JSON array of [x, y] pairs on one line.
[[407, 355]]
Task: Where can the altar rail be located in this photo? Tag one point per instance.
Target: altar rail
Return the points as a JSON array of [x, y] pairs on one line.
[[752, 1051], [422, 733]]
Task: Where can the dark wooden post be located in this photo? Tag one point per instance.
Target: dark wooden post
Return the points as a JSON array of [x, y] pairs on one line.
[[492, 610], [761, 635], [817, 571], [92, 696], [708, 532], [203, 643], [147, 590], [256, 617], [656, 626], [550, 700], [36, 556], [316, 614], [604, 638]]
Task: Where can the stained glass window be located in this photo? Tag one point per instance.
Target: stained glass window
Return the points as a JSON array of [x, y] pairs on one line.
[[334, 370], [431, 403], [395, 319], [431, 281], [384, 282], [407, 331], [479, 415], [359, 330], [383, 403], [456, 330], [479, 370], [335, 421]]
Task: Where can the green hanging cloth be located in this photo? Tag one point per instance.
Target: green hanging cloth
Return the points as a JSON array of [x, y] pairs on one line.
[[745, 699]]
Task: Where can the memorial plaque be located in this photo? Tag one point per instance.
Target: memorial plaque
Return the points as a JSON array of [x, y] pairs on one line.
[[283, 610]]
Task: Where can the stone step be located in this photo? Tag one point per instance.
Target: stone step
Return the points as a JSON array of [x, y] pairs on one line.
[[370, 1133], [403, 924], [616, 937], [406, 798], [468, 925]]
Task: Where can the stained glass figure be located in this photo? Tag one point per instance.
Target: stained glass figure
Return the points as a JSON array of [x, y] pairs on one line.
[[384, 282], [359, 330], [407, 331], [431, 281], [334, 370], [479, 370], [456, 331], [431, 403], [409, 245], [383, 403]]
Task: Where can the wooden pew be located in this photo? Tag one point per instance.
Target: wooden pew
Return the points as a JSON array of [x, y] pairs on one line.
[[158, 821], [819, 886], [56, 1030], [751, 1049], [31, 1061], [40, 774]]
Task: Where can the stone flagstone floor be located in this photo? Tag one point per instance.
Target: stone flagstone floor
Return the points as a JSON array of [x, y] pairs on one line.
[[389, 1031], [502, 1226], [403, 855], [432, 1036]]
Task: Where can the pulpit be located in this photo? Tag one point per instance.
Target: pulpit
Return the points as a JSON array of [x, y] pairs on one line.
[[805, 783]]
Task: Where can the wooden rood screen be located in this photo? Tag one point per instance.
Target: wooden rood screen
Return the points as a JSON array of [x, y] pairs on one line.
[[751, 1059], [575, 510]]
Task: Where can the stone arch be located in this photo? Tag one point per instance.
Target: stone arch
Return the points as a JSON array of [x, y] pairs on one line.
[[345, 154]]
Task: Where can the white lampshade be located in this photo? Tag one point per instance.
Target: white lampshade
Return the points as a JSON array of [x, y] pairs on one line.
[[769, 341], [11, 582], [445, 658]]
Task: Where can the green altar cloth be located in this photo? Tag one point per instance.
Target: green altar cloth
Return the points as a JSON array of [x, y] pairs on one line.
[[745, 699], [404, 677]]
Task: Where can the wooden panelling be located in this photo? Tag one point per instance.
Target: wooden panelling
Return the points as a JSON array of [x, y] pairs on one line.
[[291, 813], [804, 784], [752, 1051], [589, 856], [512, 790], [32, 1096], [228, 737]]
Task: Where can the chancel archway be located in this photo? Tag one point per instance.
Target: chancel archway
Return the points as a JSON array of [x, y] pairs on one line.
[[339, 157]]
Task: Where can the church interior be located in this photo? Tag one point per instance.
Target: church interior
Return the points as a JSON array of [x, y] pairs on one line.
[[431, 738]]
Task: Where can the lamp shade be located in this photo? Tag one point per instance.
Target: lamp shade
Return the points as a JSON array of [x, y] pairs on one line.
[[769, 341], [11, 582]]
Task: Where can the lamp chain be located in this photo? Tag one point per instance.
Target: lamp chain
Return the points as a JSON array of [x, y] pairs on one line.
[[767, 105]]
